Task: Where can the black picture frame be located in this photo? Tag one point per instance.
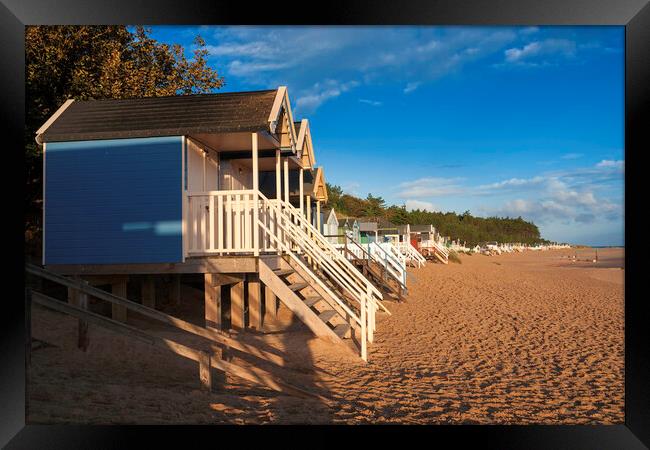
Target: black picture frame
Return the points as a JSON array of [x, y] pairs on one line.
[[633, 14]]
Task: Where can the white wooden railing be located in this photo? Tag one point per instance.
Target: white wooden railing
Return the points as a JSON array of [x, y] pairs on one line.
[[246, 222], [360, 283], [412, 254], [295, 238], [394, 251], [220, 222], [384, 256], [437, 245]]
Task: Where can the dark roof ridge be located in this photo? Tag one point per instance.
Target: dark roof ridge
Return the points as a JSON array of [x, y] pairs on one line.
[[152, 97]]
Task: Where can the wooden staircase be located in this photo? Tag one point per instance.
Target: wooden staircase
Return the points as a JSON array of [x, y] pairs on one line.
[[436, 251], [294, 290], [372, 269], [324, 290]]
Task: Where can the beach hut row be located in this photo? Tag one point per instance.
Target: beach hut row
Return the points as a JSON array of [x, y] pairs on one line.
[[496, 248], [224, 186]]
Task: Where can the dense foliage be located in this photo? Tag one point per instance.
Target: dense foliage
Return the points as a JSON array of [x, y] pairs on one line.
[[462, 227], [97, 62]]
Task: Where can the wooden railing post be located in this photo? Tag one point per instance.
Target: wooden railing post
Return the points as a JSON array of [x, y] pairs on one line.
[[205, 370], [364, 330], [256, 188], [82, 337], [371, 315]]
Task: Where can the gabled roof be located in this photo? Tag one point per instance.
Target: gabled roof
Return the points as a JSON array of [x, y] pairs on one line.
[[319, 188], [329, 212], [170, 116], [348, 221], [304, 144]]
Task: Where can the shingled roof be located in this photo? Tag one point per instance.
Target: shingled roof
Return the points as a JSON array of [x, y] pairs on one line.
[[162, 116]]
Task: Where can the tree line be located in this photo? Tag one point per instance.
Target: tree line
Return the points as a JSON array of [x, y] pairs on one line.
[[462, 227]]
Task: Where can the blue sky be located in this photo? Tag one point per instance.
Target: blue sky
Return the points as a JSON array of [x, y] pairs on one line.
[[496, 120]]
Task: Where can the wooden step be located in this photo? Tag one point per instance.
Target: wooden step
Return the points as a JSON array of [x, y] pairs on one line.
[[288, 297], [311, 301], [342, 330], [327, 315], [298, 286], [283, 272]]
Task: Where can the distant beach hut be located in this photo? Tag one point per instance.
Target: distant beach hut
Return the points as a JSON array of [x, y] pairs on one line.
[[330, 225], [349, 226]]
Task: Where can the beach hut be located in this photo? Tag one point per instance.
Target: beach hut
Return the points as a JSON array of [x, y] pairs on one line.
[[367, 231], [349, 226], [176, 190], [330, 227], [426, 240]]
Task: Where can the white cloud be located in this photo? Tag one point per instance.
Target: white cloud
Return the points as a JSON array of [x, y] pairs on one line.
[[410, 87], [351, 187], [608, 163], [540, 49], [320, 92], [240, 68], [301, 57], [529, 30], [572, 156], [430, 187], [557, 200], [419, 204], [370, 102], [513, 183]]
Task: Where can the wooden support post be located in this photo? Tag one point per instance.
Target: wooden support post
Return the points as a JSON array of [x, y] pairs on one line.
[[318, 216], [256, 185], [212, 302], [278, 176], [205, 371], [82, 335], [286, 180], [309, 208], [302, 200], [175, 290], [118, 312], [148, 290], [72, 296], [254, 302], [270, 303], [237, 305]]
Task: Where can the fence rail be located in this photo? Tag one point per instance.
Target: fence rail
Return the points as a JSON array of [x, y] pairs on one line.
[[205, 358]]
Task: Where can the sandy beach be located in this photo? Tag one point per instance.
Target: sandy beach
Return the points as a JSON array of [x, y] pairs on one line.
[[518, 338]]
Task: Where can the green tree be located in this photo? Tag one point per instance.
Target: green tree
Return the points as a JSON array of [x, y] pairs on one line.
[[374, 206], [334, 194], [397, 215], [97, 62]]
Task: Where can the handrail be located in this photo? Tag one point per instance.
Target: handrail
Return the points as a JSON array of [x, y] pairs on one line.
[[293, 256], [412, 253], [367, 254], [298, 237], [330, 249], [333, 257], [397, 274], [201, 356]]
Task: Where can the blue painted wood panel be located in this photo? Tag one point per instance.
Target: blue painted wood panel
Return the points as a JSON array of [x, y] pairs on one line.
[[113, 201]]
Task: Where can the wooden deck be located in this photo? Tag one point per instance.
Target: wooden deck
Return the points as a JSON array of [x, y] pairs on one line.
[[198, 264]]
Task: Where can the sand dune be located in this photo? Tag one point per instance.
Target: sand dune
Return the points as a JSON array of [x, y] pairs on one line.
[[511, 339]]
